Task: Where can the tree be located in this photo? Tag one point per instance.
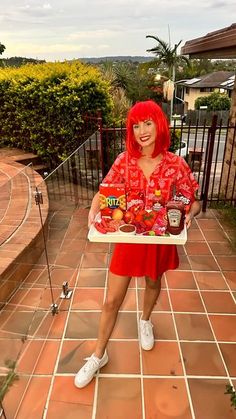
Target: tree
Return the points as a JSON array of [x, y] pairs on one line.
[[130, 83], [2, 48], [142, 86], [118, 80], [167, 55], [123, 73], [215, 102], [18, 61]]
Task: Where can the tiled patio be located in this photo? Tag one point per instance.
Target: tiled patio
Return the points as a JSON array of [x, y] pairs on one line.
[[183, 377]]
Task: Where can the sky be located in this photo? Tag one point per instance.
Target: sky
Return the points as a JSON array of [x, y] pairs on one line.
[[58, 30]]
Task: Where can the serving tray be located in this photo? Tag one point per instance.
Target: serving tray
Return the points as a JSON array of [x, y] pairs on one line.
[[118, 237]]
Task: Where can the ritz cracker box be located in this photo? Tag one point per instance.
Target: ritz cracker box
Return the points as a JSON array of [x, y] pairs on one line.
[[111, 196]]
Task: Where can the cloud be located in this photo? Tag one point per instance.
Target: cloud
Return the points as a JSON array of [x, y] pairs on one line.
[[47, 6], [118, 27], [22, 48], [91, 34], [221, 3], [56, 51], [35, 10]]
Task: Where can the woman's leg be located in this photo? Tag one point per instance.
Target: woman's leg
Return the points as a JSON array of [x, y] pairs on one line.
[[117, 288], [151, 294]]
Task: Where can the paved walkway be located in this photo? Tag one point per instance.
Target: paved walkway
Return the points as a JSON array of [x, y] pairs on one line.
[[183, 377]]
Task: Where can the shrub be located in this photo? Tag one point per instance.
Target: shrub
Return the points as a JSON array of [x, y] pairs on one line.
[[216, 101], [42, 106], [175, 138]]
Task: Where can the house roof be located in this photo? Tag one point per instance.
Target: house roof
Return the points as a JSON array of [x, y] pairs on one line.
[[217, 44], [220, 79]]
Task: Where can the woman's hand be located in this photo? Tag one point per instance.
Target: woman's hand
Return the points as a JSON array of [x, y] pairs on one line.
[[194, 210], [94, 210], [91, 217], [188, 219]]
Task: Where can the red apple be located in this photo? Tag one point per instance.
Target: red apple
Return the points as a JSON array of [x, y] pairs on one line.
[[129, 217]]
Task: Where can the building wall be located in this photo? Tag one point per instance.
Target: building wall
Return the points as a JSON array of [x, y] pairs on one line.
[[193, 94]]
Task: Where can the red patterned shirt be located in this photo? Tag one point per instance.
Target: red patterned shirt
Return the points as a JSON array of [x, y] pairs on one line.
[[171, 174]]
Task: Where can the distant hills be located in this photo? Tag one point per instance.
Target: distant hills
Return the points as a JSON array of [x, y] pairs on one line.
[[19, 61], [117, 58]]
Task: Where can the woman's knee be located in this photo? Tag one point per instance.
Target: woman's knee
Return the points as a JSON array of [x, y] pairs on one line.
[[150, 283], [117, 288], [112, 304]]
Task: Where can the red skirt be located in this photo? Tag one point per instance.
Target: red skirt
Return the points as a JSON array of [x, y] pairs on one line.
[[150, 260]]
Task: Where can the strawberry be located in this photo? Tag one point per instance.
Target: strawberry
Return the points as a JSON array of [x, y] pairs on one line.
[[148, 222], [149, 218], [140, 215]]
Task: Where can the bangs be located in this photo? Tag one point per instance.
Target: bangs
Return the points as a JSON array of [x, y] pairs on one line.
[[142, 111]]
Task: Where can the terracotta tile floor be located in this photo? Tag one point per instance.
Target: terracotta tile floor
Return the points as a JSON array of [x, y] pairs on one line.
[[183, 377]]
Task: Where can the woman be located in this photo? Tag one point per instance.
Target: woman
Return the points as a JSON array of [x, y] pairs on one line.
[[147, 166]]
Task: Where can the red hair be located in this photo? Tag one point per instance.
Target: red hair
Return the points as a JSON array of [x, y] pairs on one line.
[[143, 111]]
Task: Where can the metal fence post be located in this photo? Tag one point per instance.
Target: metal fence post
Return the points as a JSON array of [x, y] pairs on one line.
[[101, 144], [209, 155]]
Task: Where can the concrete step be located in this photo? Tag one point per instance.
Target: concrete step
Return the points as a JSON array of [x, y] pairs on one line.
[[20, 226], [27, 158]]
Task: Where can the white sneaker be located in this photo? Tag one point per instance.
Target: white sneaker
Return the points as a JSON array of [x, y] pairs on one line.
[[87, 372], [146, 334]]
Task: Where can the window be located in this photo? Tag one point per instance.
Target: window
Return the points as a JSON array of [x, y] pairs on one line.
[[187, 90], [207, 89]]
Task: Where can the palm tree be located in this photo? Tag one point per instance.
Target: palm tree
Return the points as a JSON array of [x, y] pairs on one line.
[[167, 54], [2, 48]]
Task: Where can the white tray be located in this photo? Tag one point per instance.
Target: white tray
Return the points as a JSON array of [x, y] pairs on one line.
[[117, 237]]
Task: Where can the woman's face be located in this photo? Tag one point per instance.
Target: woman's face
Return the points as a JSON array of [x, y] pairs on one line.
[[145, 133]]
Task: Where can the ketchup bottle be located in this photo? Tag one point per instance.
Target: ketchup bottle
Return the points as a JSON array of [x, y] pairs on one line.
[[175, 212]]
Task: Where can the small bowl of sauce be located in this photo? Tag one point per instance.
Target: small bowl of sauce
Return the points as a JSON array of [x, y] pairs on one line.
[[127, 229]]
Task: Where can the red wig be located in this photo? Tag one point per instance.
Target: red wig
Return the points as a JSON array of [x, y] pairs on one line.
[[143, 111]]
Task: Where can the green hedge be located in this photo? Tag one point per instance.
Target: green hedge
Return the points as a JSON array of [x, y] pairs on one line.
[[216, 101], [42, 106]]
